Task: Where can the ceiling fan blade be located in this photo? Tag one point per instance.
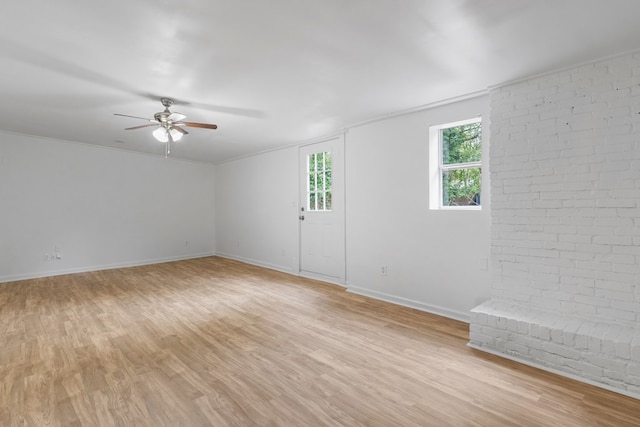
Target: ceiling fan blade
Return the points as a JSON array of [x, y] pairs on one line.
[[134, 117], [142, 126], [176, 117], [199, 125], [179, 129]]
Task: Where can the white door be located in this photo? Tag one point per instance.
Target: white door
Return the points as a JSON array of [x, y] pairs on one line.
[[322, 214]]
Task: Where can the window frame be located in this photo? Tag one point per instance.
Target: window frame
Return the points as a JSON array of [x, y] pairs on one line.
[[437, 167], [324, 191]]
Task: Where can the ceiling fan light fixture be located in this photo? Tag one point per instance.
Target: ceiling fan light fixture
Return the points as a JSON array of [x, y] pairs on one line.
[[175, 134], [161, 134], [170, 125]]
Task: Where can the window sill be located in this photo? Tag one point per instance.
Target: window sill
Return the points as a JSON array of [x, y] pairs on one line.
[[457, 208]]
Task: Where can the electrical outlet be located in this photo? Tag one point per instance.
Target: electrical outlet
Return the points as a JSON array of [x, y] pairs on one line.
[[383, 270]]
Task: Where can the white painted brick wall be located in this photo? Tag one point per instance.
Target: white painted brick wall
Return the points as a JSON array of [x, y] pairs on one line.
[[565, 176], [565, 239], [601, 352]]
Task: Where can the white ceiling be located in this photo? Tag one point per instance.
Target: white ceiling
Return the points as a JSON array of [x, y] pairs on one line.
[[272, 73]]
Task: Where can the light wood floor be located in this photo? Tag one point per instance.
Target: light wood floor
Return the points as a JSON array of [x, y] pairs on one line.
[[217, 342]]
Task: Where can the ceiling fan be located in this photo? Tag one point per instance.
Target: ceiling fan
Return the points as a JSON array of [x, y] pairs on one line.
[[169, 125]]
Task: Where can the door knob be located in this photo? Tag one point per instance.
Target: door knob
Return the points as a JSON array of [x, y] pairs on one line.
[[301, 217]]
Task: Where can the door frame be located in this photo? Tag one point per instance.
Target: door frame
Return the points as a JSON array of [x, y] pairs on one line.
[[342, 280]]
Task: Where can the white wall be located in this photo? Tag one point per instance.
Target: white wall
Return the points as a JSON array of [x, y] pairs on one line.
[[257, 209], [106, 208], [433, 257], [101, 207]]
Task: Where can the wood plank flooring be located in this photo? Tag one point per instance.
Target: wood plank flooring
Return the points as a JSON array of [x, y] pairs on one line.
[[214, 342]]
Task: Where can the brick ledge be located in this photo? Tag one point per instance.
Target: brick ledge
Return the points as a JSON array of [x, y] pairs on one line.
[[602, 353]]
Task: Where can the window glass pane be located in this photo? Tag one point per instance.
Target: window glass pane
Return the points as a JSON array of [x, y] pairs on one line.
[[312, 201], [461, 187], [462, 144], [312, 162], [320, 181], [327, 161]]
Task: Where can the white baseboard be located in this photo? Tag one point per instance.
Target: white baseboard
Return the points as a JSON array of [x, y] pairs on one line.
[[270, 266], [322, 278], [555, 371], [282, 269], [429, 308], [137, 263]]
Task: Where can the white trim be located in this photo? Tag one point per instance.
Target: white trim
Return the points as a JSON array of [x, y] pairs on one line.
[[562, 69], [420, 108], [340, 140], [458, 166], [322, 139], [297, 144], [429, 308], [459, 208], [268, 265], [322, 278], [281, 269], [106, 147], [475, 119], [138, 263], [344, 211], [555, 371], [345, 129], [323, 171], [437, 167]]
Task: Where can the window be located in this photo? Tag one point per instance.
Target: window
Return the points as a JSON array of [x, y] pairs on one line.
[[319, 182], [455, 165]]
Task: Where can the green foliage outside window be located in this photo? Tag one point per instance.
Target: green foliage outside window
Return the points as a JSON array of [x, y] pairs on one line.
[[320, 181], [461, 145]]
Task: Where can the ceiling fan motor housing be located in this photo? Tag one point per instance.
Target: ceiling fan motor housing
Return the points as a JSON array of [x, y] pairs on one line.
[[167, 102], [162, 117]]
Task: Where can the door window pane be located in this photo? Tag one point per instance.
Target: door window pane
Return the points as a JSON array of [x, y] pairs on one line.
[[312, 202], [320, 181], [319, 185], [312, 182]]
